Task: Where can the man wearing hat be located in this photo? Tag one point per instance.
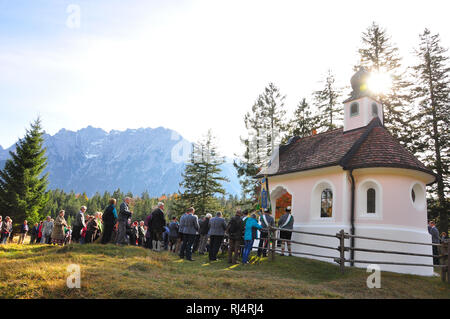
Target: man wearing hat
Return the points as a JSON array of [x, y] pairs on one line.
[[286, 222], [266, 221]]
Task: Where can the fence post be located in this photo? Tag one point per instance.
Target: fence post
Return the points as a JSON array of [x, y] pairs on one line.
[[441, 251], [448, 260], [445, 251], [342, 249]]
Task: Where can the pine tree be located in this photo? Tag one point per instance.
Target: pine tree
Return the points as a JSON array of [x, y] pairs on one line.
[[379, 55], [303, 122], [432, 93], [328, 104], [177, 206], [247, 166], [266, 128], [201, 178], [273, 126], [23, 186]]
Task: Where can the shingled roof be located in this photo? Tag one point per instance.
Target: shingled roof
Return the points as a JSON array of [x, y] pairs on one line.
[[369, 146]]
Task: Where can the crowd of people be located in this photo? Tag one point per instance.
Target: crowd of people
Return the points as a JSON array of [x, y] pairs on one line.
[[189, 234], [184, 237]]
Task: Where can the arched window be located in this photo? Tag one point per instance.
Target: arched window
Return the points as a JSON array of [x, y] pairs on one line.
[[418, 196], [374, 109], [354, 109], [326, 203], [371, 201]]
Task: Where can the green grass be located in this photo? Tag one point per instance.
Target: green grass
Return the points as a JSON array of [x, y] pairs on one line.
[[40, 271]]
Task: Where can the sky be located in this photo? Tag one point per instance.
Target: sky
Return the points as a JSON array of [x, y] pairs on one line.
[[184, 65]]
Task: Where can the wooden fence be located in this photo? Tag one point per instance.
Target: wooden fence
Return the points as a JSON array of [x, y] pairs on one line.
[[341, 248]]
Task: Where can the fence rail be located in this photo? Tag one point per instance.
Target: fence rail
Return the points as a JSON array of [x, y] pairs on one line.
[[443, 257]]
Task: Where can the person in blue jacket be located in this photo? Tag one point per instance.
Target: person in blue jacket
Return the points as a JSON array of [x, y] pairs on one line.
[[249, 236]]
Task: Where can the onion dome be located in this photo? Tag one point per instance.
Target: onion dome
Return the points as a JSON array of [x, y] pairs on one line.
[[359, 83]]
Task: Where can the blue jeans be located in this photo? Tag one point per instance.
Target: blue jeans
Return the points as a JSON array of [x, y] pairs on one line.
[[247, 249]]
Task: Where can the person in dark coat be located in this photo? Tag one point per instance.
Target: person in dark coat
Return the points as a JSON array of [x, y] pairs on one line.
[[148, 233], [23, 232], [434, 232], [234, 230], [204, 229], [244, 218], [166, 237], [124, 215], [134, 233], [78, 224], [91, 230], [34, 233], [157, 223], [216, 233], [173, 234], [109, 218]]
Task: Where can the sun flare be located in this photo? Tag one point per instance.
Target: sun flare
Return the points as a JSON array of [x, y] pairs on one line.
[[379, 82]]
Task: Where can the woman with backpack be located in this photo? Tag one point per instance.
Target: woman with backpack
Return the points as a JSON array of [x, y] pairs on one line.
[[234, 231]]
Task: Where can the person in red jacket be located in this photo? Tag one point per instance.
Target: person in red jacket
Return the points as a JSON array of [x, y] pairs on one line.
[[39, 236]]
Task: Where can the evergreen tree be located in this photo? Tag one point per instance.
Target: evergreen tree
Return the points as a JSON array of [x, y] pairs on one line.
[[380, 56], [266, 127], [273, 126], [201, 178], [23, 186], [248, 166], [177, 206], [328, 104], [118, 195], [304, 122], [432, 93]]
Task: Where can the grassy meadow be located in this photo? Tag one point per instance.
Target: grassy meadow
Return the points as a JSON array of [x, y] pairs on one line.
[[40, 271]]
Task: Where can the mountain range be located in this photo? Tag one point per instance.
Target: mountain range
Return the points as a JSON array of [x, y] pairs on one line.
[[135, 160]]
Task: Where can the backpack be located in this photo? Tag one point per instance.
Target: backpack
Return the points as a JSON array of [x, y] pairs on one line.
[[234, 226]]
